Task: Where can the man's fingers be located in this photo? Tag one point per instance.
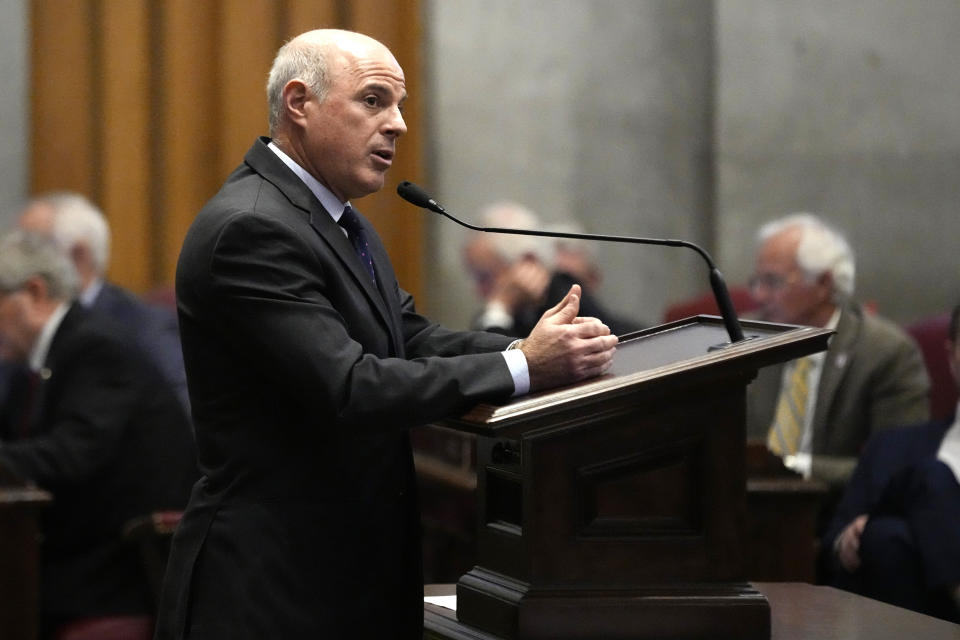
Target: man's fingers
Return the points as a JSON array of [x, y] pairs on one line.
[[589, 327]]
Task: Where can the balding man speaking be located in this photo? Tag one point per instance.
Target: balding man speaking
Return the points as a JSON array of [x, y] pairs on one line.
[[306, 364]]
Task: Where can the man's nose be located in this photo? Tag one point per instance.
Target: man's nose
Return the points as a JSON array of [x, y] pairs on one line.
[[395, 125]]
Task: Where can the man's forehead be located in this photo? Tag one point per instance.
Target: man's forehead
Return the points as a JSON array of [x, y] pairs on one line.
[[372, 69], [37, 217]]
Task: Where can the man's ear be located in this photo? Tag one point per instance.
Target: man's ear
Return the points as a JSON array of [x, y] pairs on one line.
[[36, 288], [295, 97], [825, 285]]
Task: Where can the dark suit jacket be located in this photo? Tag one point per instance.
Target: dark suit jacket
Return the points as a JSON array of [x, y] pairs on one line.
[[303, 379], [873, 378], [110, 442], [154, 329], [887, 454]]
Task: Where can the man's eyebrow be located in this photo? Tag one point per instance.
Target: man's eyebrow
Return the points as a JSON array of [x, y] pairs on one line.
[[384, 89]]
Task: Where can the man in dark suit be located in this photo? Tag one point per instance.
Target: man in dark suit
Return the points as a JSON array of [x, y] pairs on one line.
[[96, 427], [896, 533], [818, 412], [306, 364], [82, 232]]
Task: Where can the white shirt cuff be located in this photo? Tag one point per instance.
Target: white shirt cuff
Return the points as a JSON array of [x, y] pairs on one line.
[[802, 463], [517, 363]]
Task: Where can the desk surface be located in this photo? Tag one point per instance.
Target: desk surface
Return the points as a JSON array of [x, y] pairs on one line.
[[799, 612]]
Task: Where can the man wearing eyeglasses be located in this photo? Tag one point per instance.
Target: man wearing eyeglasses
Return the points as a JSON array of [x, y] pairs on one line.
[[818, 411]]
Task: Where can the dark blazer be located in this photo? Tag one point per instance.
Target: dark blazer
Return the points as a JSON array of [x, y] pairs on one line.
[[873, 378], [110, 442], [154, 328], [303, 378], [886, 455]]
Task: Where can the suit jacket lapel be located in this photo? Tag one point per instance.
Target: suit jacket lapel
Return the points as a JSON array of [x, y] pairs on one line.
[[835, 366], [266, 163], [49, 369]]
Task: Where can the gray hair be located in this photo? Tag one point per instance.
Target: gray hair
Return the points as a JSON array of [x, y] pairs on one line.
[[511, 248], [822, 249], [76, 220], [586, 248], [302, 60], [26, 254]]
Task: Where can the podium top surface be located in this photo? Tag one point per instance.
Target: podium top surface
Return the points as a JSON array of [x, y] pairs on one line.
[[690, 345]]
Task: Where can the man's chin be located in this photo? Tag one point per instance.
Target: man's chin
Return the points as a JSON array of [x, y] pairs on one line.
[[369, 184]]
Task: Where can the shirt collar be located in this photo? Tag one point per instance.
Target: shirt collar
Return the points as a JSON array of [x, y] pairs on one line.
[[89, 295], [38, 355], [834, 320], [329, 201]]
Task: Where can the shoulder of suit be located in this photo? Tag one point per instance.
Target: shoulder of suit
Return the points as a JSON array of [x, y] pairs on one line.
[[876, 328]]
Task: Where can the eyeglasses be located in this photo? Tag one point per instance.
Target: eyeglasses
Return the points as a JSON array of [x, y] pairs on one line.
[[770, 281]]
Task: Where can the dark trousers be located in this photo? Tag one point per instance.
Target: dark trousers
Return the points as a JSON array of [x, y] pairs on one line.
[[910, 548]]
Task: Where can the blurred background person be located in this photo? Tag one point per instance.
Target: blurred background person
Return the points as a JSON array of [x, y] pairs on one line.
[[896, 534], [94, 425], [517, 276], [82, 232], [817, 412]]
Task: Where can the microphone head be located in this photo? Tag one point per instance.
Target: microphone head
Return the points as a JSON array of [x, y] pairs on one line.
[[417, 196]]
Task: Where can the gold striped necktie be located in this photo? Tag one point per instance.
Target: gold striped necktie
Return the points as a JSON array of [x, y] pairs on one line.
[[787, 428]]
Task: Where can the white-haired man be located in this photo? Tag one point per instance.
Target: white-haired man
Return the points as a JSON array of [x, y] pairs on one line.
[[818, 411], [81, 231], [519, 277], [96, 427]]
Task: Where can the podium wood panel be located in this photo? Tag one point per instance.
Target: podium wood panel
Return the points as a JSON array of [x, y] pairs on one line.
[[20, 561]]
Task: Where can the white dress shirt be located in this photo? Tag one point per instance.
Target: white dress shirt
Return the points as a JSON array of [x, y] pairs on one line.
[[949, 451]]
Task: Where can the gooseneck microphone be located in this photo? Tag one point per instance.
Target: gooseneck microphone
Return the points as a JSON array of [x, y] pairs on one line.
[[417, 196]]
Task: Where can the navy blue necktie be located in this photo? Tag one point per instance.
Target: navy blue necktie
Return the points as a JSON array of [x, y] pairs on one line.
[[28, 403], [358, 238]]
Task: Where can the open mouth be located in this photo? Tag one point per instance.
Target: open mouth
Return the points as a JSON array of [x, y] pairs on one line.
[[384, 154]]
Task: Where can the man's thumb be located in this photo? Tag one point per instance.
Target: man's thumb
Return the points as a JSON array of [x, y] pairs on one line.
[[568, 308]]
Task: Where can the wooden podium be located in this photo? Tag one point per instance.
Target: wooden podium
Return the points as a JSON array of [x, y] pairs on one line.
[[616, 508], [20, 509]]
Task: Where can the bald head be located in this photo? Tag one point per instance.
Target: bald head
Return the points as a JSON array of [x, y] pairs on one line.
[[336, 99], [314, 57]]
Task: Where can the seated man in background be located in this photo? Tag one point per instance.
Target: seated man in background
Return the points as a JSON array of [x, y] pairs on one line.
[[94, 425], [896, 533], [518, 277], [817, 412], [82, 233]]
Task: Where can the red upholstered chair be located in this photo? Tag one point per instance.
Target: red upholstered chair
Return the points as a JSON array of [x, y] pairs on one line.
[[151, 534], [931, 334], [107, 628], [743, 302]]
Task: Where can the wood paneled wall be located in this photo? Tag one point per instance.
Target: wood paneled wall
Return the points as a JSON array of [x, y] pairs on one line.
[[145, 106]]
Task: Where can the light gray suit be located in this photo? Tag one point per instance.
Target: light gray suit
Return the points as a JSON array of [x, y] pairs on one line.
[[873, 378]]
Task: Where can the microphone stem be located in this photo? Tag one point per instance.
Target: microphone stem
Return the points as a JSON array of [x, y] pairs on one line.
[[717, 283]]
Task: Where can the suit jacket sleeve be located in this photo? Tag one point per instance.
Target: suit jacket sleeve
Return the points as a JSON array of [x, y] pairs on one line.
[[281, 297], [88, 422]]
